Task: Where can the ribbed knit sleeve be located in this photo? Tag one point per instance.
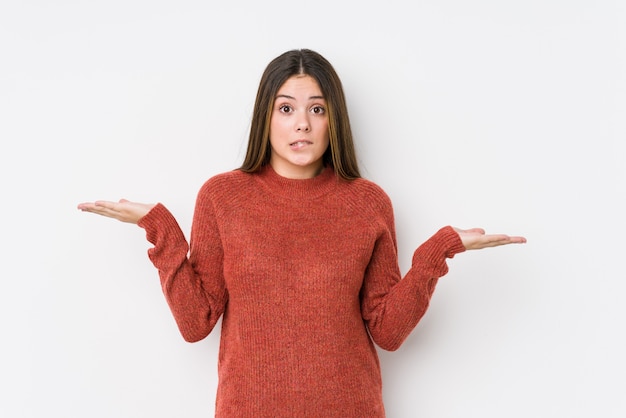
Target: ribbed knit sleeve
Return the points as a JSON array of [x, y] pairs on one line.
[[392, 307], [193, 284]]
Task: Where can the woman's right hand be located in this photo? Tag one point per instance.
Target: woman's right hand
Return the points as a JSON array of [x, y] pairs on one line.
[[124, 210]]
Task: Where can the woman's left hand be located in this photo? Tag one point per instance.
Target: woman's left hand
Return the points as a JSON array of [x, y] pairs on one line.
[[476, 239]]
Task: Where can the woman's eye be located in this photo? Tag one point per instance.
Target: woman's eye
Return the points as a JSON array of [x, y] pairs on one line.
[[318, 110], [285, 108]]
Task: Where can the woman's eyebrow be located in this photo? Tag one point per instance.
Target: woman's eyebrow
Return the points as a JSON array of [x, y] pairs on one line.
[[286, 96]]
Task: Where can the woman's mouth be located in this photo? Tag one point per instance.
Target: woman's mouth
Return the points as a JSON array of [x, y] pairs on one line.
[[299, 144]]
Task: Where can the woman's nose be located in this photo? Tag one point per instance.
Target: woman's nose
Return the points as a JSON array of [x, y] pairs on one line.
[[302, 125]]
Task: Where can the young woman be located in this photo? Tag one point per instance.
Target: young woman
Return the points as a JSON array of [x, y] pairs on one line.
[[298, 253]]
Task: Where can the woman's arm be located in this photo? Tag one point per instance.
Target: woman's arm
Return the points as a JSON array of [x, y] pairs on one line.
[[192, 283], [391, 306]]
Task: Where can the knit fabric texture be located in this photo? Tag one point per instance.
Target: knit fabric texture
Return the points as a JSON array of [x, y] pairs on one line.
[[306, 276]]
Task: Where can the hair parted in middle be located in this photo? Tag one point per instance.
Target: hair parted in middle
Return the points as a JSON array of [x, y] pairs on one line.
[[340, 155]]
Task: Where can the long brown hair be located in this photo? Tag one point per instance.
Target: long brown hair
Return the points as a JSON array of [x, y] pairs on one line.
[[340, 154]]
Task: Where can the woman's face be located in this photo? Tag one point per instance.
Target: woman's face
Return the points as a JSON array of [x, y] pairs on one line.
[[298, 128]]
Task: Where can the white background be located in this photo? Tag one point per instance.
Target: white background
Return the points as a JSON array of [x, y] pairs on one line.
[[509, 115]]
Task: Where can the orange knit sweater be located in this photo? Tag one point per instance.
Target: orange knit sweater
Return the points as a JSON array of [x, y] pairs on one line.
[[306, 275]]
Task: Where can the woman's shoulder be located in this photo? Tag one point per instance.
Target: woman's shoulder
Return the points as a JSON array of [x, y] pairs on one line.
[[225, 183], [232, 176], [367, 193], [368, 188]]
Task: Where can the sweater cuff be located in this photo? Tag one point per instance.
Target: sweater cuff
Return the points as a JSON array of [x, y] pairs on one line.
[[159, 222], [445, 243], [451, 241]]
